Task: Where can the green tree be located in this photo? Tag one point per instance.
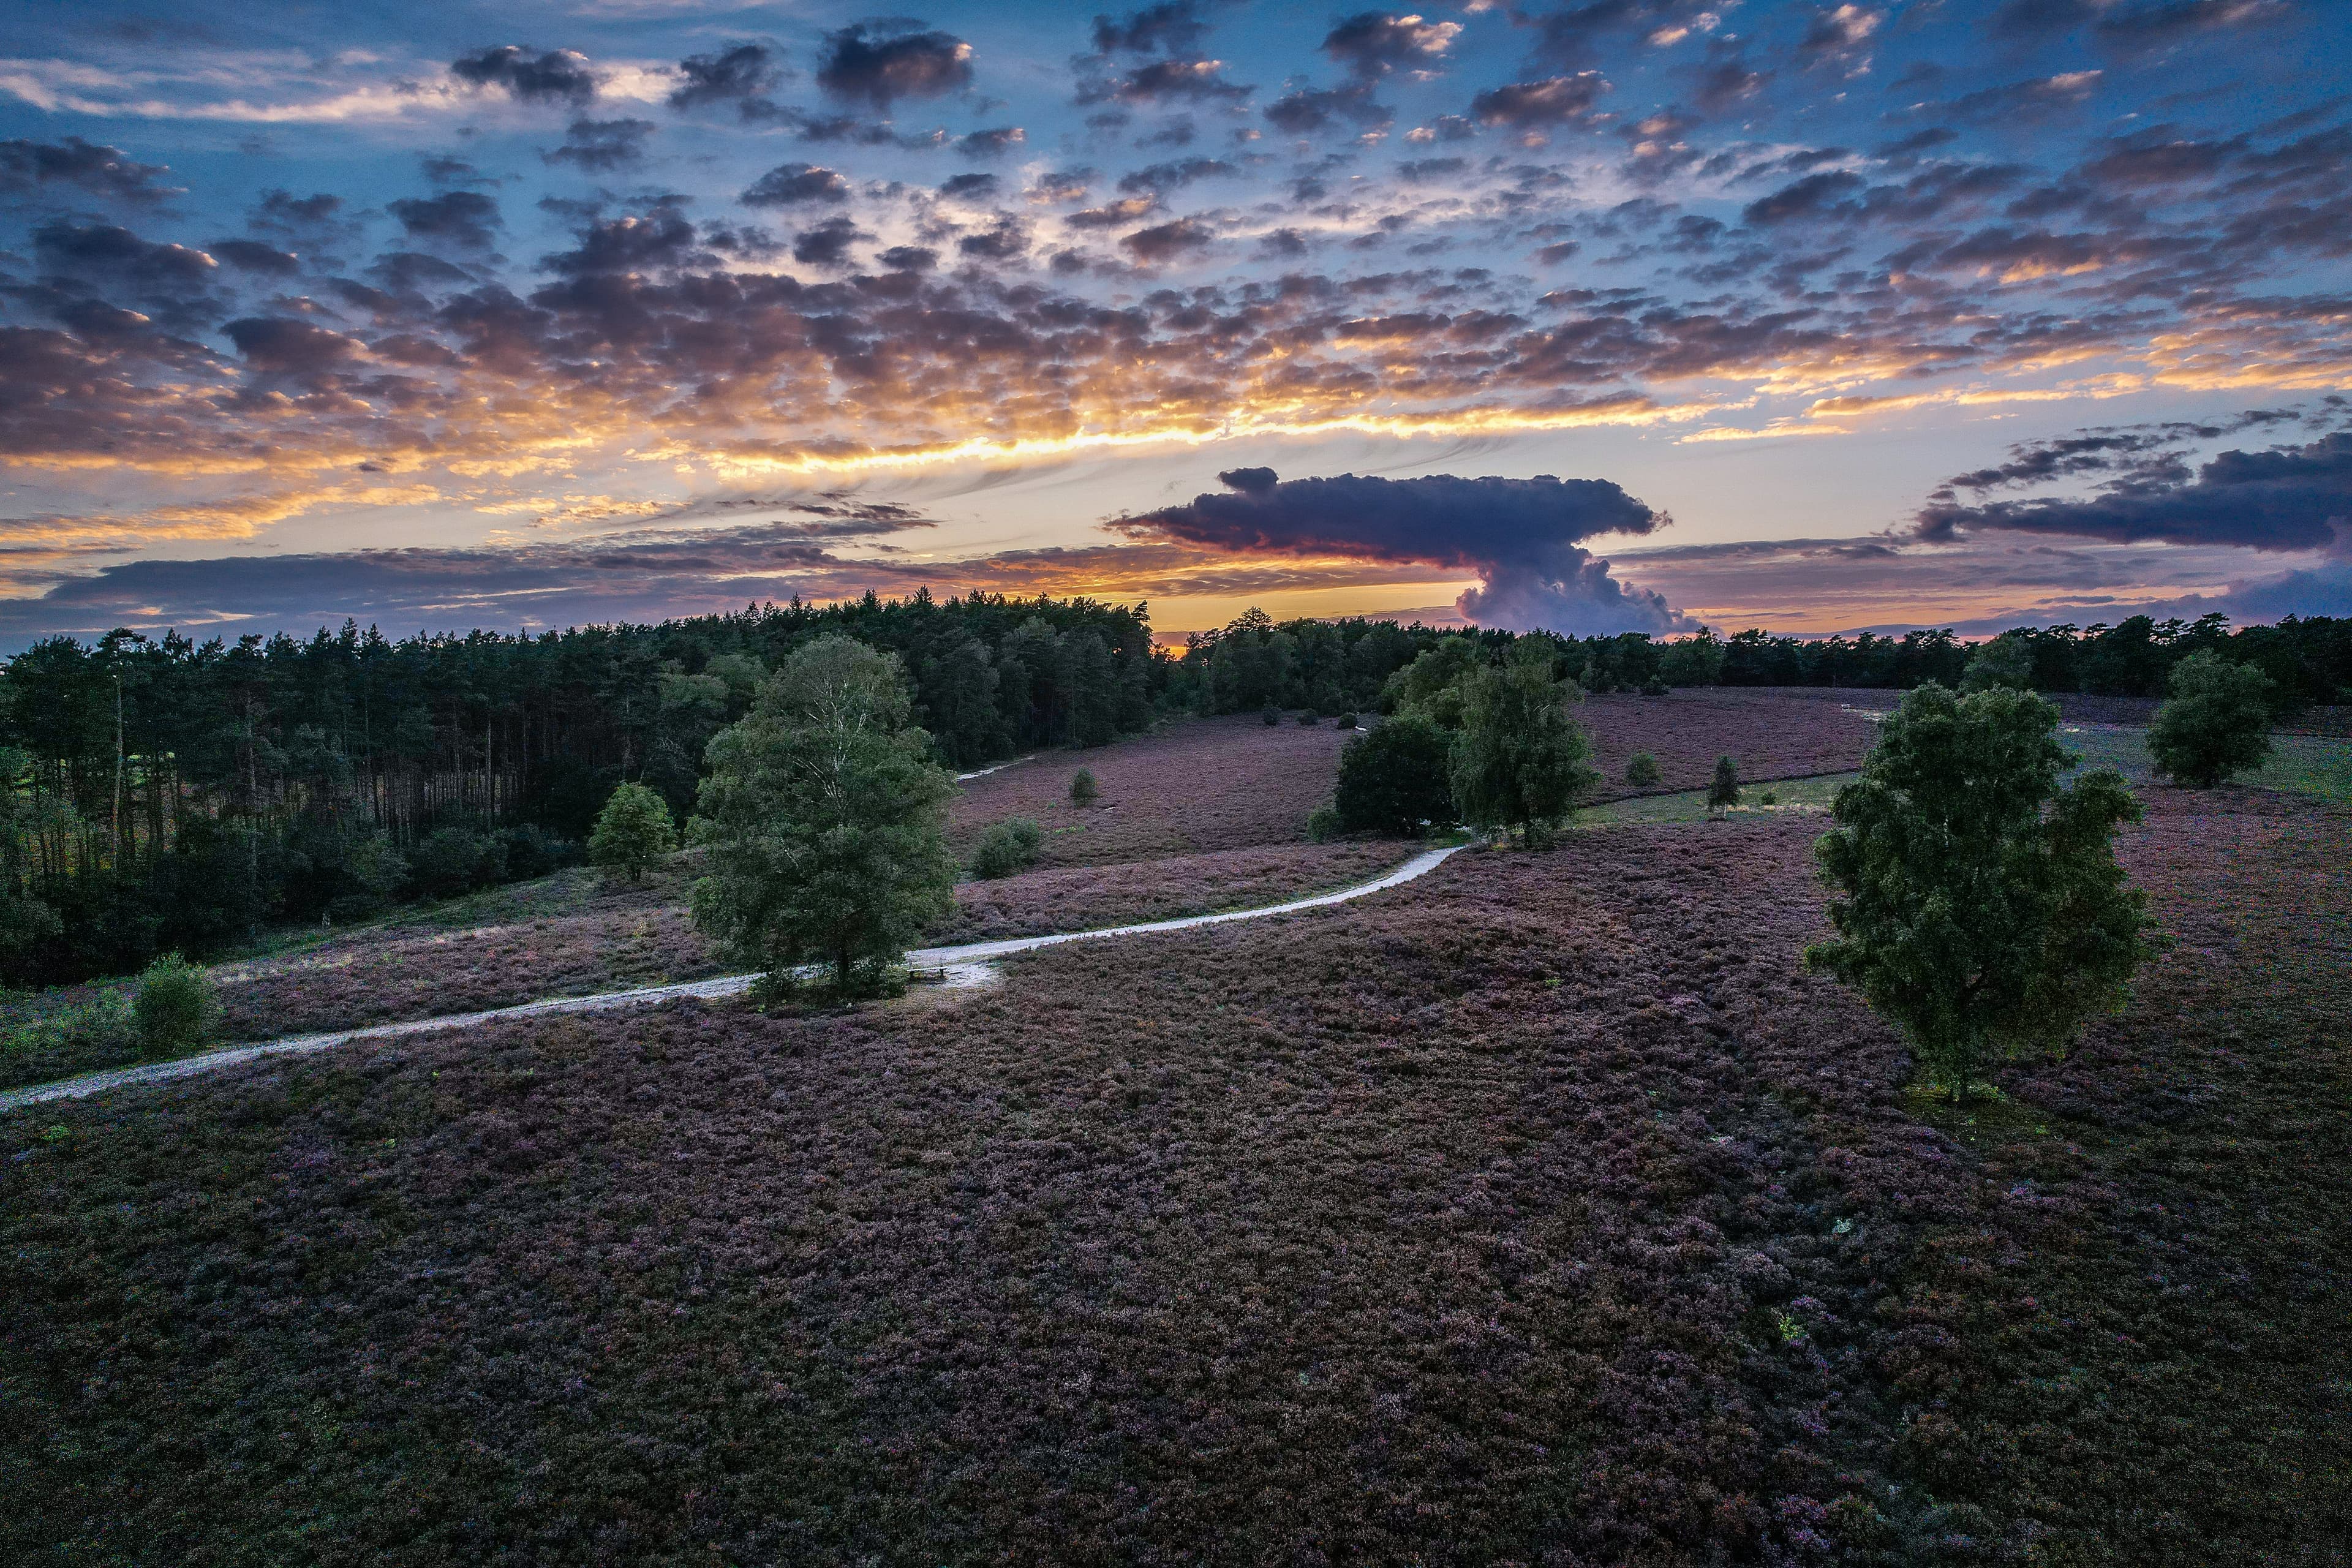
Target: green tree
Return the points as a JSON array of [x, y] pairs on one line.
[[1083, 789], [1978, 906], [174, 1010], [1642, 770], [1519, 759], [825, 818], [2217, 723], [632, 831], [2005, 661], [1723, 789], [1393, 779]]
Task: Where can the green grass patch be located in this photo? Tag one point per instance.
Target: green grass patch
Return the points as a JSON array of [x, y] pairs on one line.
[[1799, 797]]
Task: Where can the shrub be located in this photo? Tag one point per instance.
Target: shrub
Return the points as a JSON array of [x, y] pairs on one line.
[[1006, 848], [1308, 718], [1323, 823], [1723, 789], [1978, 906], [451, 861], [632, 831], [1654, 686], [1082, 788], [1642, 770], [1520, 761], [1768, 798], [2217, 723], [174, 1009], [1344, 721], [533, 852], [1271, 715], [1393, 779], [826, 819]]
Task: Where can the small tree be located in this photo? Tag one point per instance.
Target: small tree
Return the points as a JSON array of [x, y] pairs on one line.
[[1723, 789], [1978, 906], [826, 820], [1271, 715], [174, 1010], [2217, 723], [1393, 779], [1520, 761], [1007, 847], [1082, 788], [1642, 770], [632, 831]]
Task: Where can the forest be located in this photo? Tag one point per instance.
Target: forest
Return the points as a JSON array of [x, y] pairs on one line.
[[169, 794]]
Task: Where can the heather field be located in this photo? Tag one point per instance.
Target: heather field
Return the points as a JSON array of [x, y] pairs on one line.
[[1771, 733], [1197, 786], [1538, 1211]]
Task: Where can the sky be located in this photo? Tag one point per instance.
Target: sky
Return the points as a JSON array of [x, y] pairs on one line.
[[1594, 316]]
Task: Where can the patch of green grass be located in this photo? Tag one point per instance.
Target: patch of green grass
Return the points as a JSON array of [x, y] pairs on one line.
[[2320, 766], [1792, 798]]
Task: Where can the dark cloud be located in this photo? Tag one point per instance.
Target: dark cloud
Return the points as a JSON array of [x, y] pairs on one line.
[[252, 256], [910, 259], [463, 218], [558, 74], [1008, 241], [742, 75], [1169, 241], [638, 243], [882, 61], [444, 169], [1836, 34], [98, 252], [1535, 105], [827, 245], [87, 166], [1574, 33], [1311, 109], [2288, 498], [990, 144], [970, 187], [791, 184], [1174, 28], [2133, 29], [1161, 177], [601, 146], [1190, 78], [1429, 171], [275, 346], [1727, 80], [1521, 536], [1371, 44]]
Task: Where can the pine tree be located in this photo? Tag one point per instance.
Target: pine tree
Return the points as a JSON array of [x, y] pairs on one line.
[[1723, 789]]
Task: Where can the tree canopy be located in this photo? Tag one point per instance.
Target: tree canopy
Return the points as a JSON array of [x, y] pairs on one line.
[[1978, 905], [1393, 779], [2217, 723], [1519, 759], [632, 831], [826, 817]]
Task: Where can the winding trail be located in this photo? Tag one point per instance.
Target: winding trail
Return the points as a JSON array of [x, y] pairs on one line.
[[963, 965]]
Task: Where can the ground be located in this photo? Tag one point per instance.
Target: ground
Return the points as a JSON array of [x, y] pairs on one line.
[[1542, 1210]]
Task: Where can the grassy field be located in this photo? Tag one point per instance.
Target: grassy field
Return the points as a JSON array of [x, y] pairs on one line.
[[1540, 1211]]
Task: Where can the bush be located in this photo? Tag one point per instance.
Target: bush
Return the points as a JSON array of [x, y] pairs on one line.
[[1978, 906], [1323, 823], [1344, 721], [533, 852], [454, 860], [1642, 770], [1723, 789], [632, 831], [174, 1010], [2217, 723], [1393, 779], [1309, 718], [1082, 788], [1271, 715], [1654, 686], [1768, 798], [1008, 846]]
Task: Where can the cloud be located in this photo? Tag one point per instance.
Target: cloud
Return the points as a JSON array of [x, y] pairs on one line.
[[1518, 535], [1173, 27], [298, 350], [882, 61], [560, 75], [1371, 44], [792, 185], [990, 144], [742, 75], [463, 218], [1169, 241], [1194, 79], [1311, 109], [601, 146], [827, 245], [99, 171], [2288, 498], [1533, 105]]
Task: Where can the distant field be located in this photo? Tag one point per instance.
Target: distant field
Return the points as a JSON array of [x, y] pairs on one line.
[[1543, 1210], [1770, 734], [2318, 766]]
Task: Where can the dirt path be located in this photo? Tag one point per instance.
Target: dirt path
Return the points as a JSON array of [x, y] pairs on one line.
[[963, 965]]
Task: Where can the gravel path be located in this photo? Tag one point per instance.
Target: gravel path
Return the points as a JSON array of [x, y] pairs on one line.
[[956, 966]]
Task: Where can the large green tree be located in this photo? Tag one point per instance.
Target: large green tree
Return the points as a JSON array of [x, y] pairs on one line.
[[2217, 721], [826, 819], [1519, 759], [632, 831], [1393, 779], [1978, 905]]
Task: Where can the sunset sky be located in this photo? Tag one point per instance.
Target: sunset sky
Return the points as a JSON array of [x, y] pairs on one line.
[[1601, 315]]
